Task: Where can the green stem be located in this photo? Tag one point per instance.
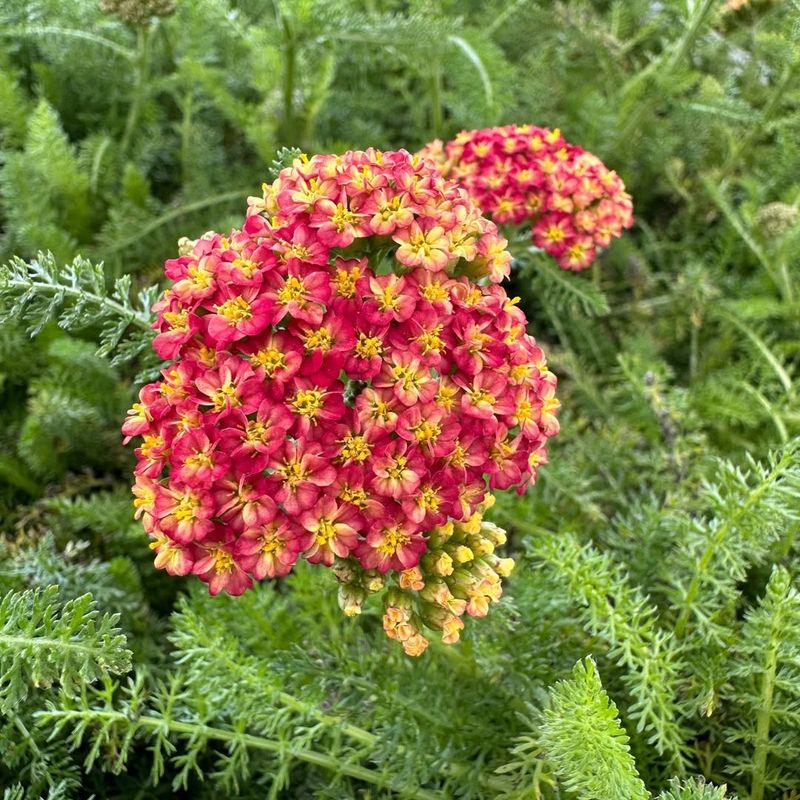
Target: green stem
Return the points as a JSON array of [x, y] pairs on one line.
[[289, 77], [435, 94], [689, 36], [788, 540], [55, 30], [786, 281], [145, 230], [143, 38], [764, 716], [82, 294], [186, 137], [195, 731], [742, 145], [45, 643], [661, 68], [718, 538], [290, 701]]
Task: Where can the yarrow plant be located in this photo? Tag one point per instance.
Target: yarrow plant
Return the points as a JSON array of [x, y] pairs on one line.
[[343, 389], [523, 174]]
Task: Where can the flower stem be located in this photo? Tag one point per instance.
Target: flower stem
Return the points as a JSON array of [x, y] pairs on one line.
[[195, 730], [764, 717], [435, 93], [143, 40], [718, 538]]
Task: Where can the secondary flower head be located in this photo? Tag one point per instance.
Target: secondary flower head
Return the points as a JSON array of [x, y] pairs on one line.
[[346, 376], [521, 174]]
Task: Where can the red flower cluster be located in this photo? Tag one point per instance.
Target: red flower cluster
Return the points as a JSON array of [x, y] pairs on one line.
[[520, 173], [338, 386]]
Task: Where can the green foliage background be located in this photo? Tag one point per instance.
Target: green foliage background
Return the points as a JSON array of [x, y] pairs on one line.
[[649, 641]]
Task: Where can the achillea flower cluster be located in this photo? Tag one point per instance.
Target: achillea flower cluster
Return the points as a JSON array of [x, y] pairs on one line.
[[520, 173], [340, 387]]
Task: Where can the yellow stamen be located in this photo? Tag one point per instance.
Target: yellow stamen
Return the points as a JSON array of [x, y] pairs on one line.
[[185, 510], [320, 339], [393, 540], [395, 472], [235, 310], [177, 320], [368, 346], [325, 532], [245, 266], [355, 448], [225, 396], [308, 402], [293, 289], [426, 431], [270, 358]]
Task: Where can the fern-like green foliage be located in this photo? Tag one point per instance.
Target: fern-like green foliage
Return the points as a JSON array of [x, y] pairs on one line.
[[695, 789], [764, 687], [616, 613], [46, 642], [76, 296], [585, 741], [748, 511], [72, 412], [559, 292], [46, 192]]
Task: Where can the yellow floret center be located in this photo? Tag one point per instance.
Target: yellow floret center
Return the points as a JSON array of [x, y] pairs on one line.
[[393, 540], [271, 359], [293, 289], [235, 310], [321, 339], [326, 531], [396, 470], [368, 346], [185, 510], [225, 395], [355, 447], [308, 402]]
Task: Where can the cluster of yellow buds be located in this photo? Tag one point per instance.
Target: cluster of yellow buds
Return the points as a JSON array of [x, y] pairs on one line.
[[459, 574]]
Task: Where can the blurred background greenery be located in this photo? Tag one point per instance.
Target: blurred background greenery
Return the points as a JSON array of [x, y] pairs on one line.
[[127, 124]]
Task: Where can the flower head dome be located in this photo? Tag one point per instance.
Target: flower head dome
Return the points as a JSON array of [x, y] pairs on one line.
[[346, 375], [524, 174]]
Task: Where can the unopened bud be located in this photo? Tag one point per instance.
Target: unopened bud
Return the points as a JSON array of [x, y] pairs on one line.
[[396, 623], [480, 545], [497, 536], [373, 581], [346, 571], [439, 564], [462, 554], [487, 503], [415, 645], [504, 567], [473, 524], [478, 606], [440, 534], [412, 579], [451, 629], [461, 579], [185, 246], [351, 598], [775, 219]]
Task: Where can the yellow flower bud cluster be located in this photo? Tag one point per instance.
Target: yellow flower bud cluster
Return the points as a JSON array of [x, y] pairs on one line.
[[459, 574]]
